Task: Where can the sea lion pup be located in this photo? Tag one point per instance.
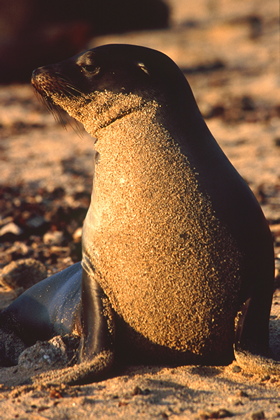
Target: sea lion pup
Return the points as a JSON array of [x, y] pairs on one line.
[[178, 259]]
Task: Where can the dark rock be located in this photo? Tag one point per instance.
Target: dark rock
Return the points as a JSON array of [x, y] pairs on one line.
[[259, 415], [23, 273], [10, 348], [10, 232], [44, 354]]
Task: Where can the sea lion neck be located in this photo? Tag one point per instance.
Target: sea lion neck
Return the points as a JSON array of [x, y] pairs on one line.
[[98, 110]]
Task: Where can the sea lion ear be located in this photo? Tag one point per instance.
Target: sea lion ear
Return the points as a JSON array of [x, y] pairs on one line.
[[143, 67], [87, 57], [87, 63]]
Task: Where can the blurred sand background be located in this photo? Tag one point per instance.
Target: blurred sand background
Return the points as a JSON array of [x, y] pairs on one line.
[[229, 52]]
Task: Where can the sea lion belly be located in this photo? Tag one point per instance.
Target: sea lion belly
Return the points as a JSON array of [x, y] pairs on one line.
[[155, 244]]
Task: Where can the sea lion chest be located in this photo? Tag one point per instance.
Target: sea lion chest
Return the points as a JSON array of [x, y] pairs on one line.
[[152, 241]]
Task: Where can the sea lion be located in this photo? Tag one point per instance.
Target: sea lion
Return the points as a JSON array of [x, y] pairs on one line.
[[55, 303], [178, 260]]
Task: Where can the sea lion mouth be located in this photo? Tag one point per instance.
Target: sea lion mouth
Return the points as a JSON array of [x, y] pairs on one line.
[[48, 84]]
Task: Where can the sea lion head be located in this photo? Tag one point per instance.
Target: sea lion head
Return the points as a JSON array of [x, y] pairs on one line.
[[105, 83]]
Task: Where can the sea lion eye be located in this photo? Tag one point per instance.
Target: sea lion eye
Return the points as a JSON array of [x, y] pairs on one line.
[[89, 68], [143, 67]]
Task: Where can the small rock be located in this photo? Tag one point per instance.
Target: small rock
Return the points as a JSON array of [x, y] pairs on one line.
[[9, 231], [53, 238], [122, 404], [77, 235], [55, 393], [236, 369], [265, 378], [219, 414], [259, 415], [36, 222], [241, 393], [44, 354], [58, 192], [11, 347], [23, 273], [139, 391], [277, 141], [5, 221], [18, 248]]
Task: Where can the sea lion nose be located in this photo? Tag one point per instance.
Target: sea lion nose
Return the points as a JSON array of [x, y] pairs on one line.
[[36, 73], [39, 71]]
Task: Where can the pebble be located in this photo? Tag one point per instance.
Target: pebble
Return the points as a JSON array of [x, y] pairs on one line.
[[44, 354], [11, 229], [219, 414], [236, 369], [36, 222], [22, 273], [139, 391], [259, 415], [11, 347], [53, 238], [18, 247], [77, 235]]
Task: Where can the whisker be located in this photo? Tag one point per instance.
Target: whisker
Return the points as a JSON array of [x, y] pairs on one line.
[[67, 87], [63, 86]]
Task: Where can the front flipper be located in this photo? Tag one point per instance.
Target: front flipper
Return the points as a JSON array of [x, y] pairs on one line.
[[96, 356], [98, 333], [98, 329], [251, 348], [50, 307]]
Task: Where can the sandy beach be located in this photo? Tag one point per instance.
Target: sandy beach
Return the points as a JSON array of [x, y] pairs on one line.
[[229, 52]]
